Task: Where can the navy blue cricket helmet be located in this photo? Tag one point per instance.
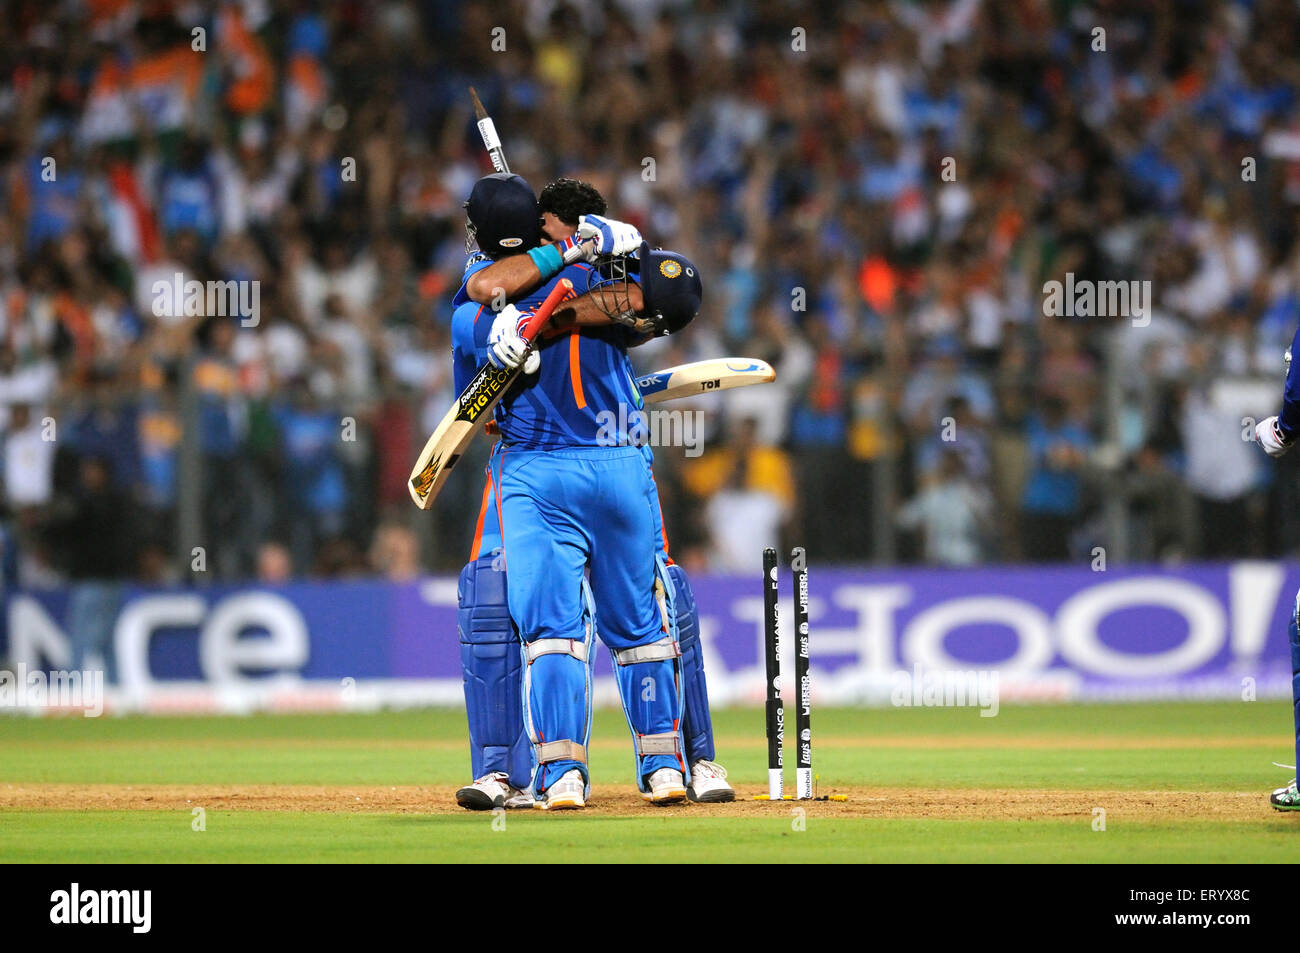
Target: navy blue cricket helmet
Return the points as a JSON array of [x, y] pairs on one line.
[[502, 215], [670, 287]]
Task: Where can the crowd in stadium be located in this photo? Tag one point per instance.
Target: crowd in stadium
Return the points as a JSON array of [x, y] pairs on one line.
[[876, 195]]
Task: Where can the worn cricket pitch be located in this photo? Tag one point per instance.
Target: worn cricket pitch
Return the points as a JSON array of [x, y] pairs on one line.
[[1130, 783]]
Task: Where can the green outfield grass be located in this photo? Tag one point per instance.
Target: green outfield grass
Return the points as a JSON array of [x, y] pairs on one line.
[[1184, 747]]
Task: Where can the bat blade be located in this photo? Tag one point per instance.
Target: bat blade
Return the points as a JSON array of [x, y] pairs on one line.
[[447, 444], [444, 448], [703, 377]]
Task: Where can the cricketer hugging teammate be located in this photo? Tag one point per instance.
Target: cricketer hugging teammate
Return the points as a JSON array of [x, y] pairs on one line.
[[570, 541]]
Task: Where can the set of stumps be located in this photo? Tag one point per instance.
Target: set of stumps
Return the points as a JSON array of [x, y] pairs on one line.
[[775, 709]]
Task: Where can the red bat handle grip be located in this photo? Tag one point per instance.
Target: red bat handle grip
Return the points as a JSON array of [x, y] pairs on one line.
[[543, 312]]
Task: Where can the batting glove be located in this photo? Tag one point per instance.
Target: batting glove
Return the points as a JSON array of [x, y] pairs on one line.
[[506, 345], [575, 248], [611, 236], [1269, 436]]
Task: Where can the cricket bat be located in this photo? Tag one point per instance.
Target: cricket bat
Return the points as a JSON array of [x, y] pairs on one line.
[[702, 377], [488, 130], [444, 448]]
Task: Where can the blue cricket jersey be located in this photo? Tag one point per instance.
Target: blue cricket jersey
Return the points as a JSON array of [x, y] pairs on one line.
[[585, 393], [1289, 419]]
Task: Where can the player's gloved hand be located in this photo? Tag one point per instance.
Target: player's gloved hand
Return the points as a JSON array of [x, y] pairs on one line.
[[610, 236], [575, 248], [1269, 436], [506, 345]]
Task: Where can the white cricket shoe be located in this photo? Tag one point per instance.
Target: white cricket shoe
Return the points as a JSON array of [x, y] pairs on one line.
[[569, 793], [521, 800], [492, 790], [1287, 798], [709, 783], [666, 787]]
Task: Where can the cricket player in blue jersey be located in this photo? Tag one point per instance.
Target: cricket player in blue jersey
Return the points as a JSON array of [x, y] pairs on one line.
[[1277, 435], [500, 755], [572, 504]]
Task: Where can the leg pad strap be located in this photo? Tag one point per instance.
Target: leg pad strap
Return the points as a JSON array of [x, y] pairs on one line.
[[667, 743], [561, 751], [539, 647], [663, 650]]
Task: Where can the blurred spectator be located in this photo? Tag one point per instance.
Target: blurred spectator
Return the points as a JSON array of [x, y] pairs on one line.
[[28, 459], [1222, 472], [1053, 498], [1161, 508], [312, 490], [95, 534], [395, 553], [952, 514], [750, 492], [274, 564], [819, 432], [876, 217], [339, 557], [959, 432]]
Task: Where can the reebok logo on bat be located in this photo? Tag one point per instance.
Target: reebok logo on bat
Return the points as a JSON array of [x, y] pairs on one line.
[[488, 388]]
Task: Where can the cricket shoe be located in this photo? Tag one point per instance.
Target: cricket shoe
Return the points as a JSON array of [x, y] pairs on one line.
[[666, 786], [520, 800], [492, 790], [1287, 798], [569, 793], [709, 784]]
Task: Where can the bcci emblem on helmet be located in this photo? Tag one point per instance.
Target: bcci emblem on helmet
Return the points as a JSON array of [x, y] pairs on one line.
[[668, 304]]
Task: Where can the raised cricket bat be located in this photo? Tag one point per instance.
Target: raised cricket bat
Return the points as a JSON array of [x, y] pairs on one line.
[[452, 435], [488, 130], [702, 377]]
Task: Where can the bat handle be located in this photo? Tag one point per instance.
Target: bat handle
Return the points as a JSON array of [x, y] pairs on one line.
[[544, 310]]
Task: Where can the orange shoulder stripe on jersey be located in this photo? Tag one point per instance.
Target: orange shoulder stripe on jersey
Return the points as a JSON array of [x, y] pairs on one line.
[[575, 369]]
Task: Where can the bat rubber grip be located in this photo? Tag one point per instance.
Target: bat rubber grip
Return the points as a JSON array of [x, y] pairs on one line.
[[488, 131]]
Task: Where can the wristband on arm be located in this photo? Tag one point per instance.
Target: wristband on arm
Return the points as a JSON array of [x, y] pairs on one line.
[[548, 260]]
